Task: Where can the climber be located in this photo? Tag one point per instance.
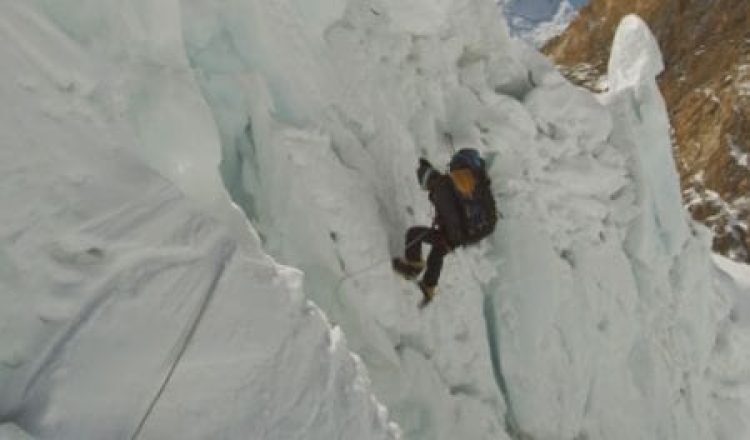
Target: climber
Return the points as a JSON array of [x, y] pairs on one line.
[[465, 212]]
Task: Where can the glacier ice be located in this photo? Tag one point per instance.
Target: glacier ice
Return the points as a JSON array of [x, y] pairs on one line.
[[129, 306], [595, 311], [594, 231]]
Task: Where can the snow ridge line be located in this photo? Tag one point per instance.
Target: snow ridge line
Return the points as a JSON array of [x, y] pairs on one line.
[[226, 252]]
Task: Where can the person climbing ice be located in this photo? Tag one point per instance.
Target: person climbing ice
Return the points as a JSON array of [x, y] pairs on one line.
[[465, 213]]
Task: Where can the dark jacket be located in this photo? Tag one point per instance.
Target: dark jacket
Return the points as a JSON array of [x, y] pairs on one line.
[[446, 209]]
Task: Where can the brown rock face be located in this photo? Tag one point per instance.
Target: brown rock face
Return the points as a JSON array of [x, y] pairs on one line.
[[706, 84]]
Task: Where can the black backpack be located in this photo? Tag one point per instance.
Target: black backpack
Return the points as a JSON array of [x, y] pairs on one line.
[[474, 199]]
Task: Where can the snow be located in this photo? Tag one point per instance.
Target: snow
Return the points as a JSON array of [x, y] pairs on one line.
[[13, 432], [635, 99], [115, 282], [138, 301], [738, 276], [730, 374], [737, 152], [635, 54], [538, 21]]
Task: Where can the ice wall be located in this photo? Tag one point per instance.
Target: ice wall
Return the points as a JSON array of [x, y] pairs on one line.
[[590, 314], [728, 372], [133, 65], [128, 307], [618, 319], [320, 147]]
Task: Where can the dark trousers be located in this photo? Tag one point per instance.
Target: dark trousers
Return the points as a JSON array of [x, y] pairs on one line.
[[417, 235]]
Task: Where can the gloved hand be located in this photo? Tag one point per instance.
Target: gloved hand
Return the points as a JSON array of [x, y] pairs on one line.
[[424, 168]]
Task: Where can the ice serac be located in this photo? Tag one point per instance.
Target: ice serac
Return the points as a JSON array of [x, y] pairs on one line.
[[129, 308], [679, 308], [635, 60], [637, 104], [606, 310], [707, 333]]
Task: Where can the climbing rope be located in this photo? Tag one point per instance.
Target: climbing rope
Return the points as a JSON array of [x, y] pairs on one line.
[[368, 268], [183, 347]]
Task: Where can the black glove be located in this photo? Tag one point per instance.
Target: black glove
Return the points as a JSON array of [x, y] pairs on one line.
[[424, 167]]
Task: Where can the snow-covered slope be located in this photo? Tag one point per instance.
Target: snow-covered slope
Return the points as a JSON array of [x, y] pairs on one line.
[[538, 21], [592, 312]]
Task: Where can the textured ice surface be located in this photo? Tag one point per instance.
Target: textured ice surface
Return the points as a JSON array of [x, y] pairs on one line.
[[591, 312], [595, 310], [114, 283]]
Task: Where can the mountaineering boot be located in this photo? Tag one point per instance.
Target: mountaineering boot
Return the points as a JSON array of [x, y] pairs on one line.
[[406, 268], [428, 293]]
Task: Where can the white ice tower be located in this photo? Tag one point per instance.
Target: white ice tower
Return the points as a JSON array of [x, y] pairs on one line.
[[135, 302], [606, 312]]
